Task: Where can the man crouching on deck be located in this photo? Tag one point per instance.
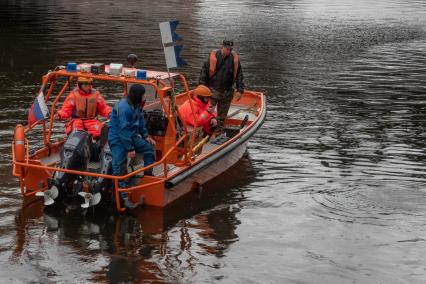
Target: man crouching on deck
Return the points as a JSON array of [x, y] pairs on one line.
[[203, 110], [128, 135]]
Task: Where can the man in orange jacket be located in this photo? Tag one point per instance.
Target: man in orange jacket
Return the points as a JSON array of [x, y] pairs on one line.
[[203, 110], [82, 105]]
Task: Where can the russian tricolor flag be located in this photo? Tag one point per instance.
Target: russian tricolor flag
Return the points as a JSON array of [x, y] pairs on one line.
[[169, 37], [38, 110]]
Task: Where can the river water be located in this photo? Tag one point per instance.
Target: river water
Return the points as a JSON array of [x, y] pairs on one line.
[[330, 190]]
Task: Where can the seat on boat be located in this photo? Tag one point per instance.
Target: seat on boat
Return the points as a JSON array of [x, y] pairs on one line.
[[156, 122]]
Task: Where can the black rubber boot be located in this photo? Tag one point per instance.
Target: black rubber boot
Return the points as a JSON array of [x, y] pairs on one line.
[[149, 172], [128, 203], [104, 135]]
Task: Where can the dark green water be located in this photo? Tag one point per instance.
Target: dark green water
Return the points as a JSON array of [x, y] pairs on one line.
[[331, 189]]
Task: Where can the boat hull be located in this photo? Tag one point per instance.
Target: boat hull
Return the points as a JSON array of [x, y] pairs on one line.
[[199, 173], [198, 178]]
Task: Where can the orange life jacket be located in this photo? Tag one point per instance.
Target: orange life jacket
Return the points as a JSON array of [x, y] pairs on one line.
[[200, 112], [86, 106], [213, 62]]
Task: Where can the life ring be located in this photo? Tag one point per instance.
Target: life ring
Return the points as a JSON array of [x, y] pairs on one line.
[[20, 150]]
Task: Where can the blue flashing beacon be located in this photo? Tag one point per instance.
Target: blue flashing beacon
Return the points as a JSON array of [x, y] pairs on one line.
[[71, 67], [141, 75]]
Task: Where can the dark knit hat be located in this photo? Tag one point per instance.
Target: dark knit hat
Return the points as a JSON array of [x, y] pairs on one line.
[[135, 94], [228, 43]]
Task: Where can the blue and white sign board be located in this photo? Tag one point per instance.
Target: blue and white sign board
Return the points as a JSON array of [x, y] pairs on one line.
[[173, 58], [168, 32], [172, 51]]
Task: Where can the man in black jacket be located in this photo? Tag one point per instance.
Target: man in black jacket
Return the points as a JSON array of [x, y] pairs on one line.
[[219, 73]]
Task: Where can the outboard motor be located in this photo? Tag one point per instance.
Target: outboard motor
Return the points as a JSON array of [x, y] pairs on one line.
[[75, 155], [105, 168], [101, 184]]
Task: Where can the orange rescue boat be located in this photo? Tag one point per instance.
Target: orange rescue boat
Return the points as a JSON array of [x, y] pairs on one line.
[[184, 158]]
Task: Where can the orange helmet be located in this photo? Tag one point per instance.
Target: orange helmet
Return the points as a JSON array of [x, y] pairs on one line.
[[202, 91], [85, 80]]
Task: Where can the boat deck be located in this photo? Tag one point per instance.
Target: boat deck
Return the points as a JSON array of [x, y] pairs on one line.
[[240, 111], [93, 167], [237, 112]]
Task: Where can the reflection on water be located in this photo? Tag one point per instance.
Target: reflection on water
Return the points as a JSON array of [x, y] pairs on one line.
[[150, 243], [332, 187]]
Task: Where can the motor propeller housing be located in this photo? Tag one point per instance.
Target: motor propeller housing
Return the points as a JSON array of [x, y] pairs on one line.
[[75, 155]]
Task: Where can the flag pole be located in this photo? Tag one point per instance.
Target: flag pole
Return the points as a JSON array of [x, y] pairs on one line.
[[171, 81]]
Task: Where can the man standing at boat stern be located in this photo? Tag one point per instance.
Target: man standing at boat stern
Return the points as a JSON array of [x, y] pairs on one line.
[[219, 73], [128, 135]]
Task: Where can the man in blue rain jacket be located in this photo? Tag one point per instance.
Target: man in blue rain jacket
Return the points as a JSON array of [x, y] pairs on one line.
[[128, 135]]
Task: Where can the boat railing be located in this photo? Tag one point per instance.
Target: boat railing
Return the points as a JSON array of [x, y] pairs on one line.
[[163, 91], [116, 179]]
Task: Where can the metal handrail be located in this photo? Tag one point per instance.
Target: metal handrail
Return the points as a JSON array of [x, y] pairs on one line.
[[27, 164]]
